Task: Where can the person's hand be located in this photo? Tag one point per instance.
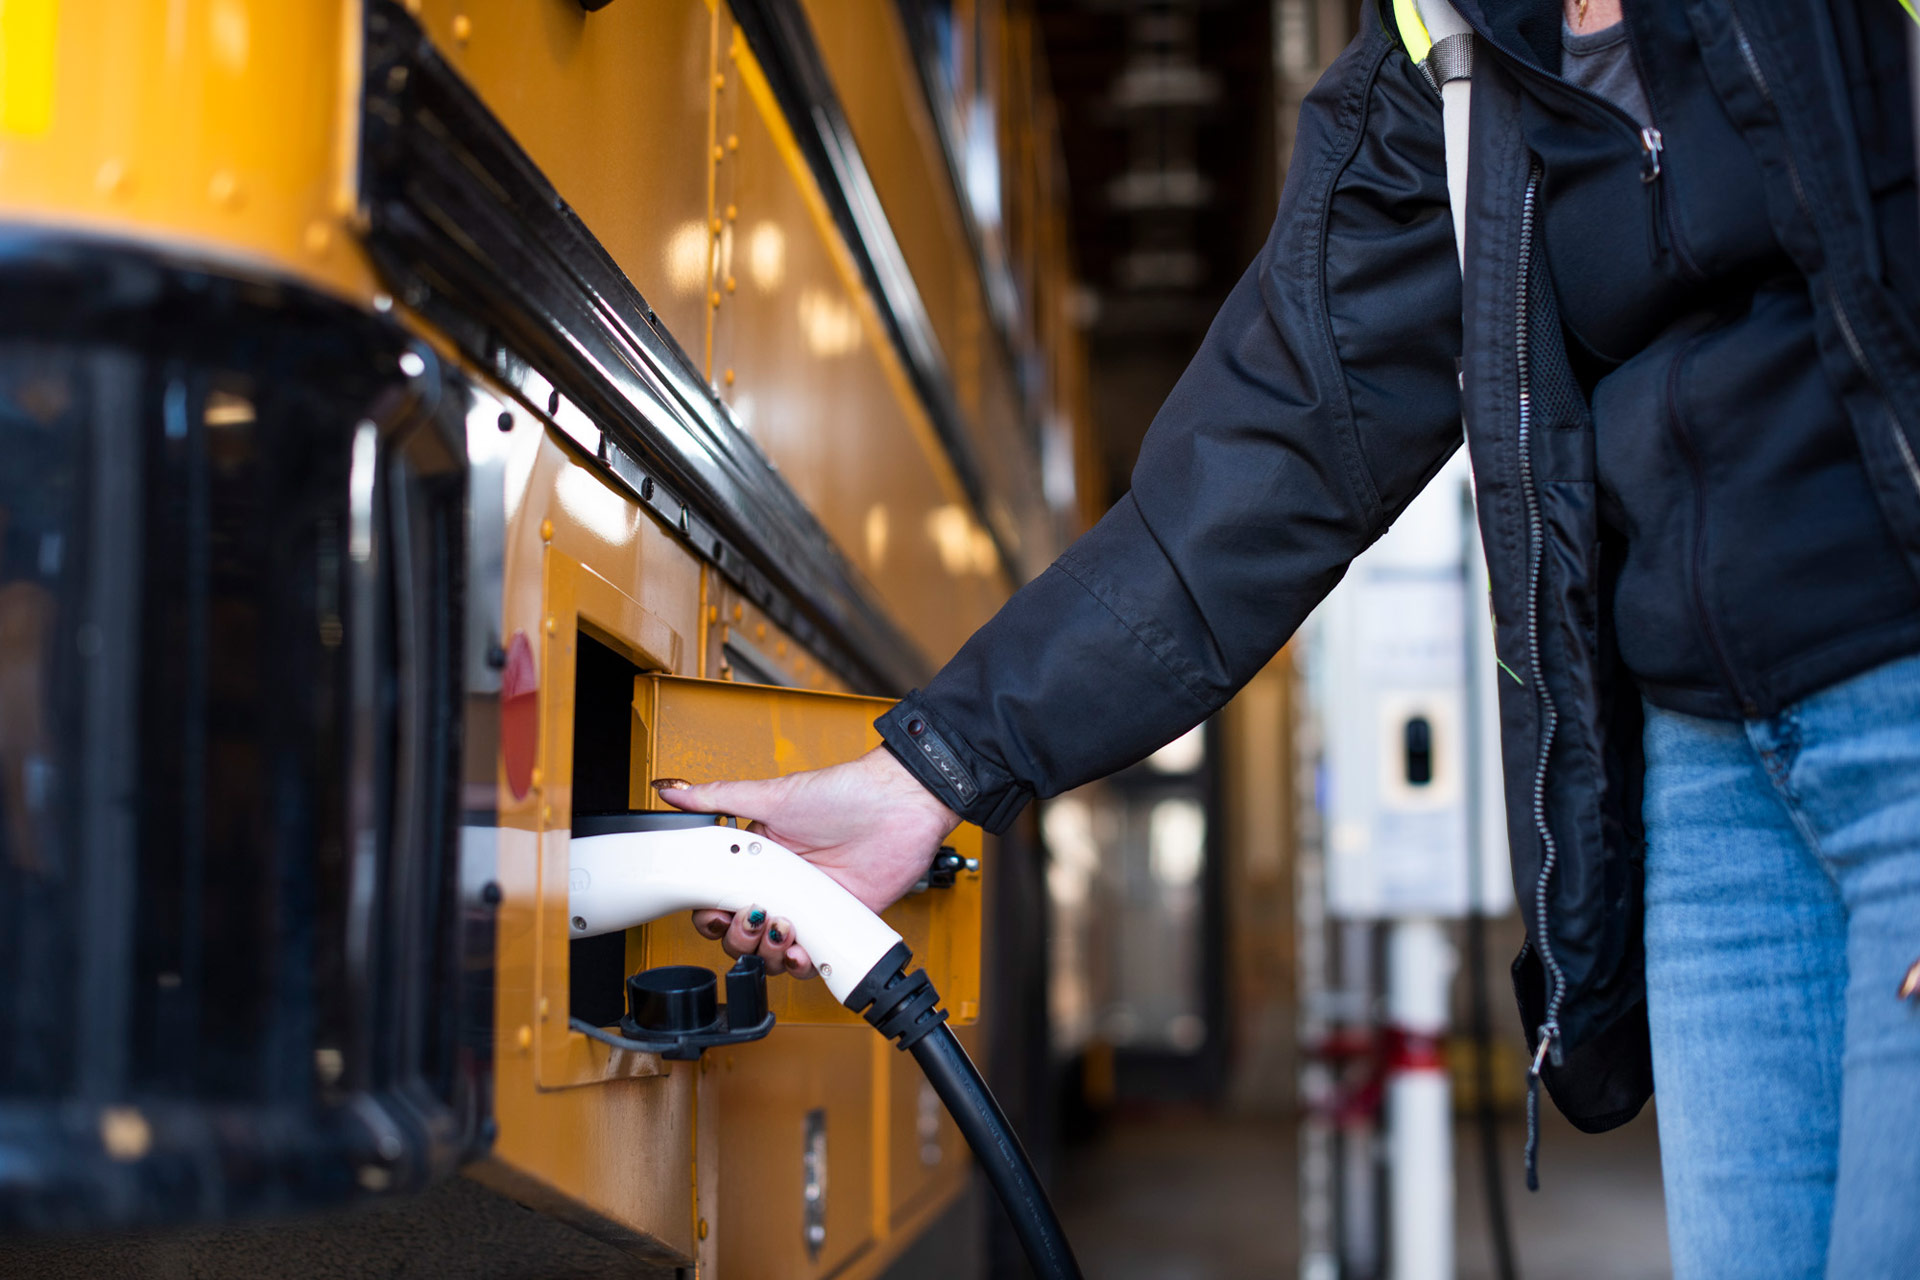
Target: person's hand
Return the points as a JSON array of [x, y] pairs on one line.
[[867, 823]]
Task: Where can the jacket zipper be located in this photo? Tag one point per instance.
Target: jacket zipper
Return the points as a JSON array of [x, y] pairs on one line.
[[1652, 147], [1549, 716], [1666, 237], [1747, 55]]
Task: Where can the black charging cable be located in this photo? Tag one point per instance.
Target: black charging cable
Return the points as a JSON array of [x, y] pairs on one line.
[[904, 1007]]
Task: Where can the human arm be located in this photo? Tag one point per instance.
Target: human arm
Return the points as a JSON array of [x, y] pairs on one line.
[[1321, 401]]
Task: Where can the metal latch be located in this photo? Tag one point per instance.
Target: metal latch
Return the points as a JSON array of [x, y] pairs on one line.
[[946, 868]]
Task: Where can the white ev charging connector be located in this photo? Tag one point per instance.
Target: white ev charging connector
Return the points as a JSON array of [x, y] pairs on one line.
[[615, 882], [626, 878]]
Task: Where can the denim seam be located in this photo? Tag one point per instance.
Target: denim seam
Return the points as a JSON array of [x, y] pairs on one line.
[[1777, 742]]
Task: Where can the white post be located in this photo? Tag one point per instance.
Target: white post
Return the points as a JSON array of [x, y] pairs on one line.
[[1420, 965]]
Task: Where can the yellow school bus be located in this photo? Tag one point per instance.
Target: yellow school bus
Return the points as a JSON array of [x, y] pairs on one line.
[[422, 422]]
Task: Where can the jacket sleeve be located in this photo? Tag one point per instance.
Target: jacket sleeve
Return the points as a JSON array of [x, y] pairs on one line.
[[1323, 398]]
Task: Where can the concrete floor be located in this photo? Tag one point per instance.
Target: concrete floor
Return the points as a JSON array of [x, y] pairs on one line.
[[1597, 1216], [1182, 1196], [1203, 1196]]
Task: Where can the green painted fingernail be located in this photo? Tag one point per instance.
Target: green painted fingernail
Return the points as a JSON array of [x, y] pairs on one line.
[[756, 918], [773, 934]]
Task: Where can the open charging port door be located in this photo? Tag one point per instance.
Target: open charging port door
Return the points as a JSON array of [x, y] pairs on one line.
[[703, 730], [609, 719]]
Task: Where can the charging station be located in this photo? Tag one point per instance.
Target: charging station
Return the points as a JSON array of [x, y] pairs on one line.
[[1401, 683]]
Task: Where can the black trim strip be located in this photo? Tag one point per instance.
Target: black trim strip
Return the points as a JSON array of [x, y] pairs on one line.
[[782, 42], [476, 239]]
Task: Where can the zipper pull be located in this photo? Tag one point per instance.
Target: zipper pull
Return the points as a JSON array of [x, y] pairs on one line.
[[1548, 1050], [1652, 144], [1547, 1032]]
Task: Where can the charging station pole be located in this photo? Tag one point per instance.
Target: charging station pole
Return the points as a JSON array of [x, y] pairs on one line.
[[1407, 722]]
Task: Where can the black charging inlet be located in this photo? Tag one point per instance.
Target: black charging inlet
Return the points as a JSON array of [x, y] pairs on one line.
[[674, 1010], [672, 1000], [678, 1000]]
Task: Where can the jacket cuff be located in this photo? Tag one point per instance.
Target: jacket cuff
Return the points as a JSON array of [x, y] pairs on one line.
[[944, 764]]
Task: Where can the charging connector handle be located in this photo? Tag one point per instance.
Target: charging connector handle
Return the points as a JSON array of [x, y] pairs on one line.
[[617, 881]]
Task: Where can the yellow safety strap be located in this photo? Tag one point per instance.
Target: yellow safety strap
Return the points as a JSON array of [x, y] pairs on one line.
[[1413, 32]]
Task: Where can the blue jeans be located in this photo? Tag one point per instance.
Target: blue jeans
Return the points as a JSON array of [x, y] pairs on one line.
[[1783, 910]]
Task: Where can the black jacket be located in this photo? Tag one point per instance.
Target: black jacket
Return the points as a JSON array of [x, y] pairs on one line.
[[1326, 395]]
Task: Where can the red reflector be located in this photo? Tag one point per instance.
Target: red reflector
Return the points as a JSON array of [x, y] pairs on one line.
[[519, 715]]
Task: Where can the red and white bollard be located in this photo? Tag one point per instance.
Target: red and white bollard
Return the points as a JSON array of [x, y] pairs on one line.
[[1420, 967]]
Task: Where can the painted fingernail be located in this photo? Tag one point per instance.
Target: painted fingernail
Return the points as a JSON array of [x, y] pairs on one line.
[[774, 935], [755, 918], [670, 784]]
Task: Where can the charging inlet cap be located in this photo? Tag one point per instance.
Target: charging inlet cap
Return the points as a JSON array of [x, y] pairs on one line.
[[617, 881]]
